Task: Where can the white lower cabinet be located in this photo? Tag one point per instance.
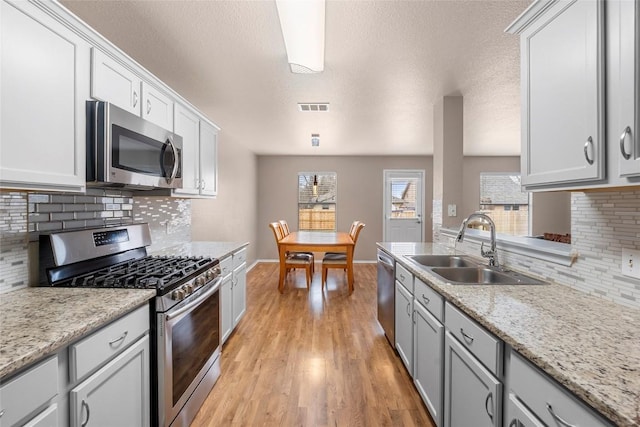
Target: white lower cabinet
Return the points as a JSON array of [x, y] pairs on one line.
[[404, 326], [546, 399], [428, 364], [118, 394], [23, 398], [473, 396], [233, 291], [46, 418]]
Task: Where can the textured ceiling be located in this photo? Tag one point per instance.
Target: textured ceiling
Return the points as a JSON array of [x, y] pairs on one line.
[[386, 64]]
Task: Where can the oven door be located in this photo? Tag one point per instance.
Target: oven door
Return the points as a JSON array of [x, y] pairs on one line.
[[189, 345], [130, 151]]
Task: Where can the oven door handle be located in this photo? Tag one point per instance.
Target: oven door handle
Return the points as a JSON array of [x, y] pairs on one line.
[[197, 302]]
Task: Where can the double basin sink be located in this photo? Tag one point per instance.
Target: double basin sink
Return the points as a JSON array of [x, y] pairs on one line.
[[462, 270]]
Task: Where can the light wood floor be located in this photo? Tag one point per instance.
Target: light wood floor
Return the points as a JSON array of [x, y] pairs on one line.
[[311, 359]]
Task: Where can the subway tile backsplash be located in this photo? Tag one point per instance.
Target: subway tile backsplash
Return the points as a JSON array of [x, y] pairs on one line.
[[602, 224], [23, 216]]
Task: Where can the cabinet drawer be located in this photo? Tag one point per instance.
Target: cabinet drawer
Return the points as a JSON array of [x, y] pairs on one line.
[[226, 266], [429, 298], [239, 257], [28, 392], [519, 416], [482, 344], [91, 352], [403, 276], [547, 399]]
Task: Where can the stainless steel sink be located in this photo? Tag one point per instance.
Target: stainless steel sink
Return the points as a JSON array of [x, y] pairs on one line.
[[442, 260], [483, 275]]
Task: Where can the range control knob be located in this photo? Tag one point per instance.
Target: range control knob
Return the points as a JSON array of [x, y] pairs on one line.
[[200, 281], [210, 273], [188, 289], [178, 295]]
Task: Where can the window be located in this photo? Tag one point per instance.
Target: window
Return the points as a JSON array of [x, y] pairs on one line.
[[403, 197], [502, 198], [317, 201]]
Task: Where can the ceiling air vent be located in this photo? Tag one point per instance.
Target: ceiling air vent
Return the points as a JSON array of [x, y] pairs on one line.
[[316, 107]]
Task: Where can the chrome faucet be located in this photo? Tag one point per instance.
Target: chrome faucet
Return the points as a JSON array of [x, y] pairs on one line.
[[492, 253]]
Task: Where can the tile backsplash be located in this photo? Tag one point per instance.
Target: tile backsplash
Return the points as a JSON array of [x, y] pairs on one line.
[[602, 224], [23, 216]]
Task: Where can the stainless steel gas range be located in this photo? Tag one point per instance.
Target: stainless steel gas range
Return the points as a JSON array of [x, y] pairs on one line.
[[185, 315]]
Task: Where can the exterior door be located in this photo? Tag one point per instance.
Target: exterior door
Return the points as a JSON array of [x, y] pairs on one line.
[[403, 205]]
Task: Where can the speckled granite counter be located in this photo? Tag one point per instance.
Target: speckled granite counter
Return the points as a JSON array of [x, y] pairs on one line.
[[213, 249], [589, 345], [36, 322]]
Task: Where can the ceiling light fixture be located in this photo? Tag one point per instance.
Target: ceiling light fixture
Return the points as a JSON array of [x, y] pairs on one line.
[[302, 24], [315, 139]]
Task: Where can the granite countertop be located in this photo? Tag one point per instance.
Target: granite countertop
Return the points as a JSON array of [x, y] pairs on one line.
[[213, 249], [590, 345], [36, 322]]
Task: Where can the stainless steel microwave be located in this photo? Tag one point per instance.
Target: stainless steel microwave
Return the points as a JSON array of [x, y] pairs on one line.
[[124, 150]]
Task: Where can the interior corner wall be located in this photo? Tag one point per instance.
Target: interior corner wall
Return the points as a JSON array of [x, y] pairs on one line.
[[360, 194], [232, 215]]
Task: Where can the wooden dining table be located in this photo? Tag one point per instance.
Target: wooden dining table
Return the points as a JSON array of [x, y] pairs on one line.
[[316, 241]]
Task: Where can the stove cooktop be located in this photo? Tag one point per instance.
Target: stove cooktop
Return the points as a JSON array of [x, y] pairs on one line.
[[151, 272]]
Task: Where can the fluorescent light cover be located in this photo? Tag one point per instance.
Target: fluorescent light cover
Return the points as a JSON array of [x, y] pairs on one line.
[[302, 23]]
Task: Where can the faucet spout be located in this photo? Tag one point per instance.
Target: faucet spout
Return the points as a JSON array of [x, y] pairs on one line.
[[492, 253]]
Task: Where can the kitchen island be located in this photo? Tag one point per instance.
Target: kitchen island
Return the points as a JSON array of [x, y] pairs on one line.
[[589, 345]]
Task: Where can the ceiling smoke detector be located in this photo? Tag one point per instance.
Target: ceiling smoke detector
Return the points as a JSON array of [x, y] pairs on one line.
[[316, 107], [315, 139]]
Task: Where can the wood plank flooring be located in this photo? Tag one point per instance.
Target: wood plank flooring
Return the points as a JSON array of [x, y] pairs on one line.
[[308, 358]]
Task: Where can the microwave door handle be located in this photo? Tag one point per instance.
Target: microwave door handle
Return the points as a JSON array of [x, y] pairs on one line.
[[174, 172]]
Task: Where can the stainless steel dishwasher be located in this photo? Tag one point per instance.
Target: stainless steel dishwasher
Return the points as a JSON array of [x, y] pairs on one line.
[[386, 295]]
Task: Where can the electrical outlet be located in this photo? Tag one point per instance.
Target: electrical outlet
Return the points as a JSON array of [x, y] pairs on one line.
[[631, 263], [451, 210]]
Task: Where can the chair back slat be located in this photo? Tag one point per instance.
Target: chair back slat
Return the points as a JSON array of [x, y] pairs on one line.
[[277, 231], [285, 227]]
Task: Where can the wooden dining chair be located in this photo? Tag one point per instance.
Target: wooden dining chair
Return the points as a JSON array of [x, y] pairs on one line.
[[292, 261], [352, 231], [339, 259], [285, 231]]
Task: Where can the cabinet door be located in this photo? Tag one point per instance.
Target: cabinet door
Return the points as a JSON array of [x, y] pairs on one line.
[[187, 125], [428, 366], [404, 326], [519, 416], [157, 107], [239, 287], [118, 394], [114, 83], [226, 308], [563, 95], [208, 160], [626, 71], [473, 395], [45, 69]]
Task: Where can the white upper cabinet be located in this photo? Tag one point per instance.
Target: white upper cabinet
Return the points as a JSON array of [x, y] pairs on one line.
[[157, 107], [208, 160], [187, 125], [114, 83], [44, 86], [624, 48], [562, 70]]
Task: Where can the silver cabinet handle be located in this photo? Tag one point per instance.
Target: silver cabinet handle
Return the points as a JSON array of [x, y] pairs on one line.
[[588, 145], [402, 277], [426, 300], [148, 106], [122, 337], [486, 407], [627, 131], [408, 312], [204, 184], [515, 423], [85, 405], [467, 338], [557, 418], [135, 98], [1, 413]]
